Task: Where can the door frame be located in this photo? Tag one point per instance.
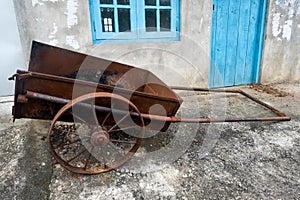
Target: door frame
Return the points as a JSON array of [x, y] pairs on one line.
[[260, 45]]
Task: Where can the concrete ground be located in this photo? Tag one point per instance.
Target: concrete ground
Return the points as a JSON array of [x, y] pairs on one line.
[[255, 160]]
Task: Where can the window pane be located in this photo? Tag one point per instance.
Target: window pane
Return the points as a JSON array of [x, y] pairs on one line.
[[150, 20], [123, 2], [164, 2], [165, 20], [107, 16], [106, 1], [150, 2], [124, 19]]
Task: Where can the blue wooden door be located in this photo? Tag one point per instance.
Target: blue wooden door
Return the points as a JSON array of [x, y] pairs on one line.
[[236, 41]]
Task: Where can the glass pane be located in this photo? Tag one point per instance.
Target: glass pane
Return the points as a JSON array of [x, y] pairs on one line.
[[165, 20], [150, 20], [106, 1], [107, 16], [150, 2], [123, 2], [124, 19], [164, 2]]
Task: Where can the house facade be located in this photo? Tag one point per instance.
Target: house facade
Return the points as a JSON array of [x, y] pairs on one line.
[[208, 43]]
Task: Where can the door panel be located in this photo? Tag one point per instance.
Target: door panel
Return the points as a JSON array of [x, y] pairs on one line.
[[232, 42], [236, 41]]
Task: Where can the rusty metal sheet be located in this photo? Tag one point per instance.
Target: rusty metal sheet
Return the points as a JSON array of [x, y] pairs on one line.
[[52, 71]]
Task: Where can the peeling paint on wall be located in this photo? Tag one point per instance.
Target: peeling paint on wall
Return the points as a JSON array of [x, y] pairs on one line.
[[40, 2], [287, 30], [281, 52], [52, 36], [276, 29], [72, 7], [35, 2], [70, 40], [282, 24]]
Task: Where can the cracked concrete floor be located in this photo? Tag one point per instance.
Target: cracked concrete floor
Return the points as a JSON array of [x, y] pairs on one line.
[[222, 161]]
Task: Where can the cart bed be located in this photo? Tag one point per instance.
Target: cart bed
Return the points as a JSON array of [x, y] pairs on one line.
[[53, 70]]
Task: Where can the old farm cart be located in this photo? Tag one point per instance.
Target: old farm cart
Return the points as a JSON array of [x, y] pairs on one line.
[[99, 109]]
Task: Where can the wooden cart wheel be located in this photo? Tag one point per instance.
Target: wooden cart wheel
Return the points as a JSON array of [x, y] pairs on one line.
[[100, 137]]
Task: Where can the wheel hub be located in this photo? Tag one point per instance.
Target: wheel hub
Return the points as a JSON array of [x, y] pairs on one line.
[[99, 138]]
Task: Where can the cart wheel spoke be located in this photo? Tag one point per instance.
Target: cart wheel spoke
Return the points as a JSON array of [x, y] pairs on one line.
[[79, 118], [88, 159], [120, 121], [124, 129], [94, 113], [67, 144], [122, 141], [79, 154], [105, 119]]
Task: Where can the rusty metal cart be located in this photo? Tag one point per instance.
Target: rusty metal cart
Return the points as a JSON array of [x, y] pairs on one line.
[[99, 110]]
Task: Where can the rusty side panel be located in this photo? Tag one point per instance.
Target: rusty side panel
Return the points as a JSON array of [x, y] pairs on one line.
[[63, 88], [52, 71], [49, 60]]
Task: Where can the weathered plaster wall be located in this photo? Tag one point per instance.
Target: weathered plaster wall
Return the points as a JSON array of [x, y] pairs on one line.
[[281, 59], [66, 23], [10, 47]]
